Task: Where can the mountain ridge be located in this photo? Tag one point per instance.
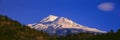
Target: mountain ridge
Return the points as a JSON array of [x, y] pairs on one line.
[[54, 23]]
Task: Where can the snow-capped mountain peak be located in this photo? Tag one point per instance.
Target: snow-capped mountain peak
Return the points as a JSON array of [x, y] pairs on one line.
[[50, 18], [65, 20], [54, 24]]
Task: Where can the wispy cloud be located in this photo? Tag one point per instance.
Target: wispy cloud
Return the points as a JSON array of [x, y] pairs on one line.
[[106, 6]]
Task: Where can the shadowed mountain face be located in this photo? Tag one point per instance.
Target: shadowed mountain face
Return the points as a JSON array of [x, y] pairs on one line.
[[13, 30], [61, 26]]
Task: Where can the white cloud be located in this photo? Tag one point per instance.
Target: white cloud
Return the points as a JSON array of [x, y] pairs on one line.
[[107, 6]]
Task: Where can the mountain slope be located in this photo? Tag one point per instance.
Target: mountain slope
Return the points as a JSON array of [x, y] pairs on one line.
[[13, 30], [61, 26]]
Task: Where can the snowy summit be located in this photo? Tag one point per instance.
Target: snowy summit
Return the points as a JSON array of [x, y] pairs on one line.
[[50, 18], [61, 26]]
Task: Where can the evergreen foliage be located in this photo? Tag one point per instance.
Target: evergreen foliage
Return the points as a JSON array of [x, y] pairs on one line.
[[13, 30]]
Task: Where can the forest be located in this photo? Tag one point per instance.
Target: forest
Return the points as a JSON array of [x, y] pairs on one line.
[[13, 30]]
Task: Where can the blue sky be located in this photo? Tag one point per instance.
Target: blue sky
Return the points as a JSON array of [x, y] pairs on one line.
[[85, 12]]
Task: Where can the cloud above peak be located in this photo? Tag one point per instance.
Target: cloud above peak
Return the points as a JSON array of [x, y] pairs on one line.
[[106, 6]]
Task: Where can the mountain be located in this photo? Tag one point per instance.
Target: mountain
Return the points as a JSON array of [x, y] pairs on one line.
[[13, 30], [61, 26]]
